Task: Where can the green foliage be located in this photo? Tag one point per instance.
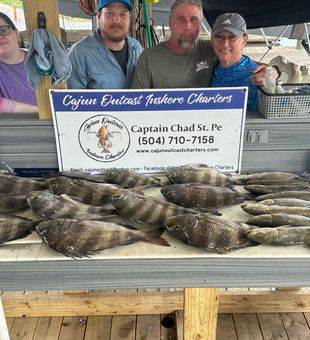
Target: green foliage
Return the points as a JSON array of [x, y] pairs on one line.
[[19, 3]]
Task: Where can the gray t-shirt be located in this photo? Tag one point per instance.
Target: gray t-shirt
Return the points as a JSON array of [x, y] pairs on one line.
[[158, 67]]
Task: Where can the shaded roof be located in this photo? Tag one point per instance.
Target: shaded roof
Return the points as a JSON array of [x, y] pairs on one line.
[[260, 13]]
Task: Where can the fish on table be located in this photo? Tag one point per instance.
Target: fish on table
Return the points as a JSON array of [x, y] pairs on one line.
[[76, 238], [50, 206], [258, 209], [15, 185], [146, 209], [270, 176], [14, 227], [211, 233], [199, 173], [130, 179], [303, 195], [289, 202], [284, 235], [279, 219], [202, 197], [261, 189], [97, 178], [9, 203], [88, 192]]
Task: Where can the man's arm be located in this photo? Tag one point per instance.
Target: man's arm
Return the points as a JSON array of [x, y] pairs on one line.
[[77, 80]]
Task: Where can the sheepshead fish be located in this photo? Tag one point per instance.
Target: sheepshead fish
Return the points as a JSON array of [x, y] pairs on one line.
[[281, 236], [12, 202], [130, 179], [214, 234], [51, 206], [201, 196], [98, 178], [87, 192], [290, 181], [303, 195], [258, 209], [289, 202], [197, 173], [15, 185], [268, 189], [75, 238], [272, 175], [276, 220], [143, 208], [13, 227]]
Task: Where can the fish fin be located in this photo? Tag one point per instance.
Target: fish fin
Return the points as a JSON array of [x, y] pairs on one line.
[[209, 211], [75, 198], [139, 190], [128, 226], [154, 236], [162, 180], [230, 250], [66, 199], [230, 186]]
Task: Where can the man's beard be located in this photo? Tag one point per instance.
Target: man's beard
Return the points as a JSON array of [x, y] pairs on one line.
[[186, 43], [115, 38]]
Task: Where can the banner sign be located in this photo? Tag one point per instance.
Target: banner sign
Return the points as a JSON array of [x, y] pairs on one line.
[[149, 131]]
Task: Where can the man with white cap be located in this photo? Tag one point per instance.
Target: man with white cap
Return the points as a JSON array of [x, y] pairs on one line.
[[106, 59], [228, 37]]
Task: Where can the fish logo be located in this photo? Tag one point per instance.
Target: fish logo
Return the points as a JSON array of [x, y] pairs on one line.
[[202, 65], [104, 138]]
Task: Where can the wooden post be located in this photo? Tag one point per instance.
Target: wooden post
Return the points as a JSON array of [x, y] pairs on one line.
[[200, 313], [50, 9], [4, 333]]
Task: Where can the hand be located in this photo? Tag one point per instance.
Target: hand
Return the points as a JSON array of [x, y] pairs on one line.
[[258, 75]]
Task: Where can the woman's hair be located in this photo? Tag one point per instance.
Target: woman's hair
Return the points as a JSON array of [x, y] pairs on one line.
[[8, 21]]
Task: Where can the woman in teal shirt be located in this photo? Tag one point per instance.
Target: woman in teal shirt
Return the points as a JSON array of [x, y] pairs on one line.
[[229, 36]]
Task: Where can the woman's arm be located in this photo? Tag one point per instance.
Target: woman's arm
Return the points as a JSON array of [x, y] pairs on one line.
[[25, 108], [8, 105]]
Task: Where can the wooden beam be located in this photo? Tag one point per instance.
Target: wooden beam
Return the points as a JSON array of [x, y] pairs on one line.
[[50, 9], [200, 313], [91, 304], [38, 304]]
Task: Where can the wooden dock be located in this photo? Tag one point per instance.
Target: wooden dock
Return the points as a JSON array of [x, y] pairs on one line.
[[244, 314]]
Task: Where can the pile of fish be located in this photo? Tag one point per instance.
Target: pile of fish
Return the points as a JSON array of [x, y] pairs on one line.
[[282, 209], [80, 214]]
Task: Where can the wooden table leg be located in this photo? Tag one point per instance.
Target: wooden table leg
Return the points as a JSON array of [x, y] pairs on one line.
[[200, 313], [4, 333]]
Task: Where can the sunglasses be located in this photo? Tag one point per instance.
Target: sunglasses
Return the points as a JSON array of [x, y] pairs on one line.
[[5, 30]]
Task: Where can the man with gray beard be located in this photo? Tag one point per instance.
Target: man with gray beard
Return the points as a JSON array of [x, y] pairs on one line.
[[106, 59], [182, 61]]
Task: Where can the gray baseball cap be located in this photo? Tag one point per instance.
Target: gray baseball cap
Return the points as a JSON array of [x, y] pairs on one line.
[[232, 22]]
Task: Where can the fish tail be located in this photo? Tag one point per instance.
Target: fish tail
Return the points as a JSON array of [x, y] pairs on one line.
[[20, 234], [154, 236], [236, 180]]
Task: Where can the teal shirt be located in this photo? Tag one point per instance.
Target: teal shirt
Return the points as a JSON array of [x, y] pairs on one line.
[[237, 75]]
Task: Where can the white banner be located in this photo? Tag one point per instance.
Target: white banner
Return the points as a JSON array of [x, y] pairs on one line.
[[149, 131]]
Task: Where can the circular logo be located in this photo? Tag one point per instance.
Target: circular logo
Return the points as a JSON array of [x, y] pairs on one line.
[[104, 138]]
